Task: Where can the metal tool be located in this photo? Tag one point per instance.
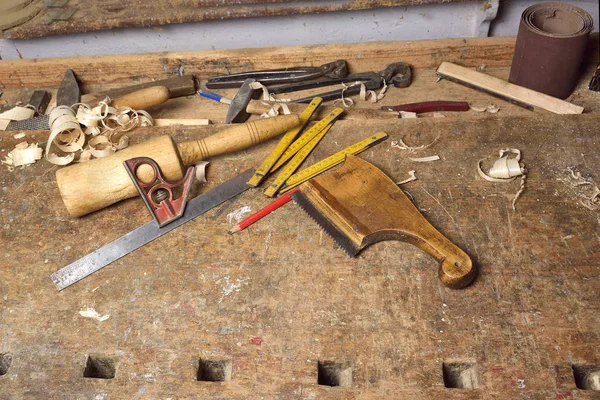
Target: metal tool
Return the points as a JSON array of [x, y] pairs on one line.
[[157, 193], [336, 69], [263, 170], [359, 205], [237, 109], [148, 232], [67, 95], [40, 100], [331, 161], [396, 74]]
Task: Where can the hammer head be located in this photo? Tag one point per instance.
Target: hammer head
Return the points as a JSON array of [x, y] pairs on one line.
[[237, 109]]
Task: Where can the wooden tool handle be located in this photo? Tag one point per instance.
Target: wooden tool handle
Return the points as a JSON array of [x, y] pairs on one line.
[[143, 98], [95, 184], [236, 138]]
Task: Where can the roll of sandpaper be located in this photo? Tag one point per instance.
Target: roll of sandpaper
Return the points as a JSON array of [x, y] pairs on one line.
[[550, 46]]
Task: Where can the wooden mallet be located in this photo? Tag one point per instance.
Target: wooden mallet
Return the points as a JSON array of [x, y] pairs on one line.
[[95, 184]]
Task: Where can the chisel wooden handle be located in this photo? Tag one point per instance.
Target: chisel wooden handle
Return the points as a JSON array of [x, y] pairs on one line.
[[93, 185], [143, 98]]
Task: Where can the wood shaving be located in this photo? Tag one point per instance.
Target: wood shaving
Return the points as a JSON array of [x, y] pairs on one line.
[[275, 109], [104, 132], [434, 157], [266, 95], [201, 171], [506, 169], [481, 68], [365, 95], [400, 144], [23, 154], [438, 115], [89, 312], [15, 114], [346, 102], [408, 114], [588, 197], [492, 108], [19, 135], [371, 95], [412, 177]]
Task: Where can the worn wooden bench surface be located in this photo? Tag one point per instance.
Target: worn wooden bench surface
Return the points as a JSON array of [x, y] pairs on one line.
[[280, 297]]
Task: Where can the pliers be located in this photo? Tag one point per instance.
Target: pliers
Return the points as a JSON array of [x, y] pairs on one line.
[[333, 70], [396, 74]]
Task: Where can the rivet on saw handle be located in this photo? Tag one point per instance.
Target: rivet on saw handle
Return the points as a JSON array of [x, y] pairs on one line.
[[158, 194]]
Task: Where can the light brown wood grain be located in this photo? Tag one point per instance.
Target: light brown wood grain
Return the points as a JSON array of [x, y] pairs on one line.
[[93, 185], [123, 68], [143, 98], [507, 90]]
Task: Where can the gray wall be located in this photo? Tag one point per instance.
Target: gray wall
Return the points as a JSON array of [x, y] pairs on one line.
[[434, 21]]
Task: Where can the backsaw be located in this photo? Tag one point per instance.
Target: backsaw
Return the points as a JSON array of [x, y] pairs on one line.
[[359, 205]]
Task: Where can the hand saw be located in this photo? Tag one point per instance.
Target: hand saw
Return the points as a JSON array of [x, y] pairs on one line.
[[358, 205], [148, 232]]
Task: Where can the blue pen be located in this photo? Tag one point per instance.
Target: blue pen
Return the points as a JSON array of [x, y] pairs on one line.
[[214, 96]]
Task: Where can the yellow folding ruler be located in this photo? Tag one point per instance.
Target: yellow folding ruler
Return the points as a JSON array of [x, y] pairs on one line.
[[295, 162], [331, 161], [307, 137], [262, 171]]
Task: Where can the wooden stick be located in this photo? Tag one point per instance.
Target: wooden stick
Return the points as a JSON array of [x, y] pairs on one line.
[[181, 121], [505, 90]]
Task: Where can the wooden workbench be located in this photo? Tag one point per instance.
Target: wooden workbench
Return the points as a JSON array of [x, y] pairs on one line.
[[280, 297]]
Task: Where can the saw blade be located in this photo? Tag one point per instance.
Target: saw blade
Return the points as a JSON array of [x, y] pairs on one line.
[[325, 224], [146, 233]]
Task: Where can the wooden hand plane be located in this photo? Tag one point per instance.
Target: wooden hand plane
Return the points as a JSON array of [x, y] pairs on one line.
[[359, 205]]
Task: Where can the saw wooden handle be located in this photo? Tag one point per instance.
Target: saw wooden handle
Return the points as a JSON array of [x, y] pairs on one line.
[[95, 184], [143, 98], [359, 205]]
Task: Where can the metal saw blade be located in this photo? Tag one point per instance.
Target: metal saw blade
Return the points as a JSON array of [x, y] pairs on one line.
[[324, 223], [146, 233]]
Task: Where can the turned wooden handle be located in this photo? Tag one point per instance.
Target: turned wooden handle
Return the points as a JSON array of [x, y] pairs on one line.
[[143, 98], [95, 184], [236, 138]]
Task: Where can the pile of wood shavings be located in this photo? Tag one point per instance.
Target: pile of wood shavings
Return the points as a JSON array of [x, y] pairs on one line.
[[22, 155], [590, 197], [103, 132], [400, 144], [365, 95]]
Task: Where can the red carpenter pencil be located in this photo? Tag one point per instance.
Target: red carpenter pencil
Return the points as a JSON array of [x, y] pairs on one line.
[[263, 212]]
